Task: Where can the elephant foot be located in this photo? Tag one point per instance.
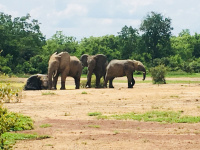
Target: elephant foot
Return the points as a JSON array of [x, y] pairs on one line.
[[111, 86], [87, 86], [130, 87], [62, 88]]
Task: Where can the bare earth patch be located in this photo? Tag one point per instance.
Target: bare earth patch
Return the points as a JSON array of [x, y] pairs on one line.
[[72, 129]]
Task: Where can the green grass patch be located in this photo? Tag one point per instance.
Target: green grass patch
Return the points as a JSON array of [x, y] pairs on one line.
[[94, 114], [94, 126], [84, 92], [45, 125], [48, 93], [10, 138], [155, 116]]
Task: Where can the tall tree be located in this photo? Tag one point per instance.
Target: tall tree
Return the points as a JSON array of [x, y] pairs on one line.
[[128, 38], [156, 34]]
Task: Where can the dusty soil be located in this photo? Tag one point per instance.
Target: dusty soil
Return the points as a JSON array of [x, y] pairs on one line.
[[73, 129]]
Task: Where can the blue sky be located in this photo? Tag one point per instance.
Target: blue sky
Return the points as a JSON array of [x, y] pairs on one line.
[[85, 18]]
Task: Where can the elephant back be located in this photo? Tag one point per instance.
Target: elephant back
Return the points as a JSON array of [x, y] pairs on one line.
[[64, 60]]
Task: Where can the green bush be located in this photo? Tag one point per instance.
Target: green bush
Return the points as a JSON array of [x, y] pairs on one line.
[[8, 94], [158, 74], [10, 121], [93, 82]]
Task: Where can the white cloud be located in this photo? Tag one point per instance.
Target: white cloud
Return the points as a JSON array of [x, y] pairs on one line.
[[72, 10]]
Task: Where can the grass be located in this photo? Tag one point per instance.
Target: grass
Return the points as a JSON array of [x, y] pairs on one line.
[[155, 116], [48, 93], [10, 138], [94, 114], [94, 126], [84, 92], [45, 125]]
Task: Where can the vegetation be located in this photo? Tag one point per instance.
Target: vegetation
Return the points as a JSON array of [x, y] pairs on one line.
[[94, 114], [155, 116], [158, 74], [12, 122], [24, 49]]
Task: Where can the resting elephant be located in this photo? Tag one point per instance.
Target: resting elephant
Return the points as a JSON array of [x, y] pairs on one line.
[[120, 68], [37, 82], [58, 64], [96, 64]]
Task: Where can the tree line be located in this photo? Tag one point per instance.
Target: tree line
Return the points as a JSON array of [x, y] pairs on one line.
[[24, 49]]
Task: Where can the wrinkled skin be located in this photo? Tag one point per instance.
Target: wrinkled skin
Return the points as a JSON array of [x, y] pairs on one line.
[[37, 82], [96, 64], [120, 68], [75, 70], [58, 64]]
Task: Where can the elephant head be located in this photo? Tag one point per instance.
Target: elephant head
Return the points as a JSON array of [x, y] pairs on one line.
[[44, 81], [58, 63], [140, 67], [84, 60]]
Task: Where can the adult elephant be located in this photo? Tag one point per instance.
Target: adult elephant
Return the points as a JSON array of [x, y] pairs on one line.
[[37, 82], [96, 64], [120, 68], [75, 70], [58, 64]]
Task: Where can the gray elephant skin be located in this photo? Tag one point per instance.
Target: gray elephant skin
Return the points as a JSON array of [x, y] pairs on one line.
[[96, 64], [37, 82], [68, 66], [58, 64], [120, 68]]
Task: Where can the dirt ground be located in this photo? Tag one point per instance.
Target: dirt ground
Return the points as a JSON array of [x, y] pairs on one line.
[[72, 129]]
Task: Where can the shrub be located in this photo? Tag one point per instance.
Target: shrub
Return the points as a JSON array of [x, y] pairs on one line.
[[7, 93], [158, 74], [93, 82]]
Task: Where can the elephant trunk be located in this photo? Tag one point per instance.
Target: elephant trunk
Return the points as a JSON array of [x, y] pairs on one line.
[[50, 80], [144, 74]]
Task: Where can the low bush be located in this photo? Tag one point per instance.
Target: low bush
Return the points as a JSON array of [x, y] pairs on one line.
[[93, 82], [158, 74]]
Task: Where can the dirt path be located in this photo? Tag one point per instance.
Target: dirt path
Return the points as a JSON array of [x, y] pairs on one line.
[[73, 129]]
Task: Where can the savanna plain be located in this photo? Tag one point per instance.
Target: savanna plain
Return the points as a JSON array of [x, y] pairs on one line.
[[83, 119]]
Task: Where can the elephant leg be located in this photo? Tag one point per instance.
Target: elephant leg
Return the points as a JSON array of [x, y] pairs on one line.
[[111, 83], [129, 77], [133, 81], [97, 81], [89, 76], [63, 78], [55, 80], [105, 83], [77, 82]]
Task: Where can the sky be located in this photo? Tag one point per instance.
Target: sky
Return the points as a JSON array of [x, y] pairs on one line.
[[85, 18]]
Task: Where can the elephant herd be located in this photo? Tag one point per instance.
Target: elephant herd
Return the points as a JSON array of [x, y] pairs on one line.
[[65, 65]]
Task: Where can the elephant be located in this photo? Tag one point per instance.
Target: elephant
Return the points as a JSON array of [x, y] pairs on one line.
[[96, 64], [37, 82], [58, 64], [75, 70], [120, 68]]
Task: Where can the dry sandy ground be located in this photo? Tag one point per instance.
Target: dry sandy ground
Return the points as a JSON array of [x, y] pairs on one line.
[[73, 129]]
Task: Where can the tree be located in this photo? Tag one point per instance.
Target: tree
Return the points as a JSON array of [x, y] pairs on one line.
[[156, 34], [128, 38]]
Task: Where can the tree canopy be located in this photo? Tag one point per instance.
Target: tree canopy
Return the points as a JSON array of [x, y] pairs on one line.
[[24, 49]]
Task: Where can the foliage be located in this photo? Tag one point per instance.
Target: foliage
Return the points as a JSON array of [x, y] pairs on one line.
[[156, 34], [158, 74], [93, 83], [8, 94], [24, 49], [12, 122]]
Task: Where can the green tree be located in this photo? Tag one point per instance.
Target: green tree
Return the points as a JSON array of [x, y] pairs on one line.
[[128, 39], [156, 34]]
